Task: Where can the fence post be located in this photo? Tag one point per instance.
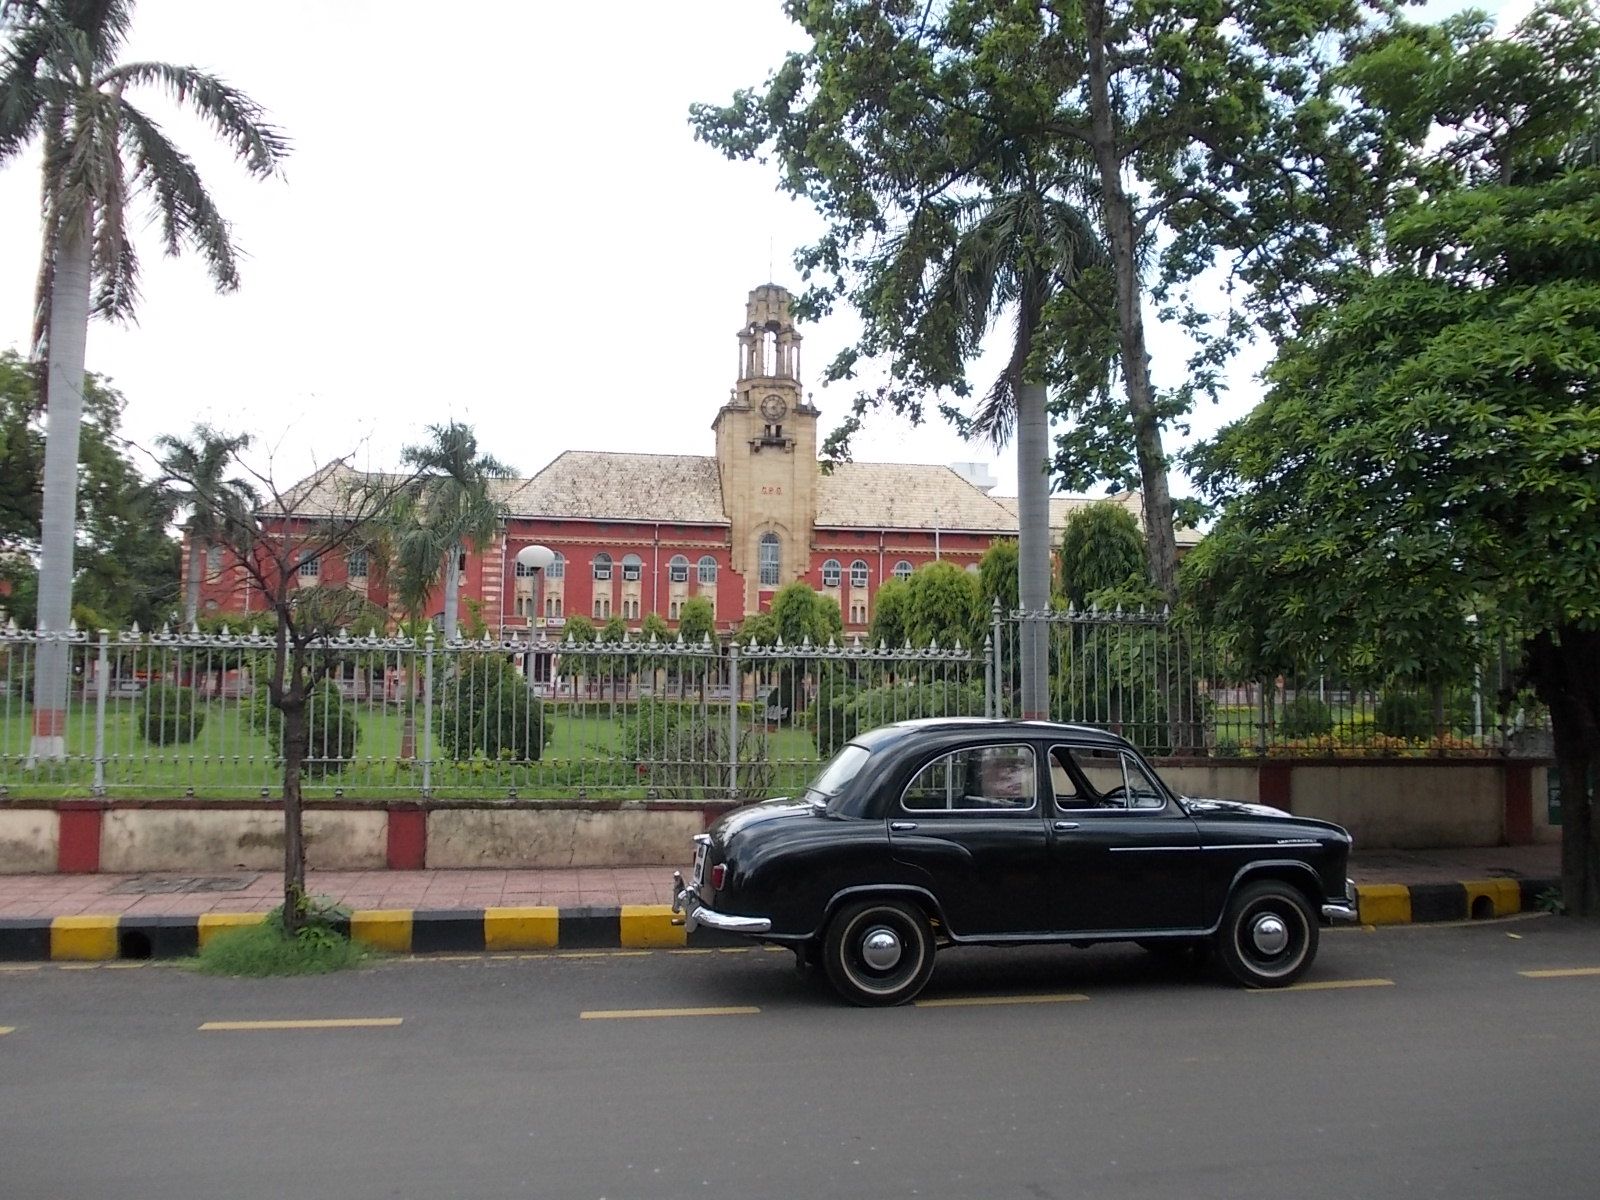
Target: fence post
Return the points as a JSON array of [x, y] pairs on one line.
[[102, 686], [733, 717], [427, 714], [998, 658]]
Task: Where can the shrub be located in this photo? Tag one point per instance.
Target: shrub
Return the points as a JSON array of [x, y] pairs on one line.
[[170, 716], [485, 709], [332, 730], [1406, 715], [848, 712], [1305, 717]]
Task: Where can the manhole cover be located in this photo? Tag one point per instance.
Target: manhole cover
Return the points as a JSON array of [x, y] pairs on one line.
[[156, 885]]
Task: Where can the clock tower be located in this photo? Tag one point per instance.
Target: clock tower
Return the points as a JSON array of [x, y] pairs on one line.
[[767, 451]]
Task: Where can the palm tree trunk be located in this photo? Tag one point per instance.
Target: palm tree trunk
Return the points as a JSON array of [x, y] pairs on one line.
[[1033, 546], [191, 597], [69, 326], [452, 589]]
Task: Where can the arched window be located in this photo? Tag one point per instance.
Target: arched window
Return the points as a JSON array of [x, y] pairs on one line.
[[831, 571], [858, 573], [557, 568], [602, 566], [771, 560], [902, 569], [678, 569], [707, 569], [632, 566]]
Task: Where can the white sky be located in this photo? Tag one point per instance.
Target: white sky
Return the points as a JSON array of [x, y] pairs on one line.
[[506, 223]]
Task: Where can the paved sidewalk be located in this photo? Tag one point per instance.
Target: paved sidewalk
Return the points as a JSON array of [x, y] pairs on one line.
[[190, 893]]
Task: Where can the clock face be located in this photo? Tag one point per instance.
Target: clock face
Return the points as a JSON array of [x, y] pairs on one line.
[[773, 408]]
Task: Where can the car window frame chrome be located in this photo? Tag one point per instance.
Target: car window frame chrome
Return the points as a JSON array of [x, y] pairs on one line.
[[1036, 805], [1076, 773]]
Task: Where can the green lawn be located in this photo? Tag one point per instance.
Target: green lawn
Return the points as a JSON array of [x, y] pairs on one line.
[[228, 758]]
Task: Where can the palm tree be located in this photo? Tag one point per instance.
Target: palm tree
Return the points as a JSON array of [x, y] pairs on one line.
[[60, 82], [215, 503], [444, 510], [1016, 251]]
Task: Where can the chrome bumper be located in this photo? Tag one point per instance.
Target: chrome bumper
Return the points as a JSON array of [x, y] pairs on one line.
[[1347, 910], [686, 900]]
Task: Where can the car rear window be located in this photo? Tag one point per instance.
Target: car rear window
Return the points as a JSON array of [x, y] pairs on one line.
[[836, 776]]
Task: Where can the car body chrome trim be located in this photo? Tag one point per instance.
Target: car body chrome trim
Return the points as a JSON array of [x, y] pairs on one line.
[[1262, 845], [1149, 849], [686, 900]]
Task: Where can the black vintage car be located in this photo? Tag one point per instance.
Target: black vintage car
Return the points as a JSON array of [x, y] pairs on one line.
[[933, 833]]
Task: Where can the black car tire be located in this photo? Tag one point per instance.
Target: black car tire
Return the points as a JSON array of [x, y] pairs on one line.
[[1268, 936], [878, 952]]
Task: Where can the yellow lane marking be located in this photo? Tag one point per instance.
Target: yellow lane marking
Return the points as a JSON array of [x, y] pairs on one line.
[[691, 951], [5, 1029], [20, 967], [1566, 973], [94, 966], [607, 1014], [604, 954], [334, 1023], [971, 1001], [124, 966], [1326, 985]]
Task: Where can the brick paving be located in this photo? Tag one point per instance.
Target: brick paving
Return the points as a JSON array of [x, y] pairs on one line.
[[75, 895]]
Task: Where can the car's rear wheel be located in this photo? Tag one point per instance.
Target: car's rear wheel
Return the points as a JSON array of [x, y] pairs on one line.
[[1268, 936], [878, 952]]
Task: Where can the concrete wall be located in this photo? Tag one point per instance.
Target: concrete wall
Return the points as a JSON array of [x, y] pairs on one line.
[[177, 839], [28, 838], [1404, 806], [1233, 782], [562, 837]]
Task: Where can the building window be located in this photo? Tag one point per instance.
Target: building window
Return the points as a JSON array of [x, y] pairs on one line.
[[632, 567], [213, 561], [309, 568], [771, 560], [524, 571], [557, 568], [902, 569], [708, 569], [674, 610], [602, 566], [858, 612], [552, 606], [858, 573], [357, 562], [630, 609], [831, 573], [678, 569], [602, 607]]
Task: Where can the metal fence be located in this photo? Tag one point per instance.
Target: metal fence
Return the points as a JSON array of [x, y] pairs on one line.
[[172, 714]]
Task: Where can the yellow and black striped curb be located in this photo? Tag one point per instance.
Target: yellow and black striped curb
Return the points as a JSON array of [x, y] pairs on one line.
[[627, 926], [399, 930]]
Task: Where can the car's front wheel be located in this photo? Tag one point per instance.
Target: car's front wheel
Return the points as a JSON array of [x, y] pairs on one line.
[[878, 952], [1268, 935]]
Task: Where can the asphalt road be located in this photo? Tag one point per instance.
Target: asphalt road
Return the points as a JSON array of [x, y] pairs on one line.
[[1445, 1071]]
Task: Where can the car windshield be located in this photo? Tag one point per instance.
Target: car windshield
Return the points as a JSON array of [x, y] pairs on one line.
[[836, 776]]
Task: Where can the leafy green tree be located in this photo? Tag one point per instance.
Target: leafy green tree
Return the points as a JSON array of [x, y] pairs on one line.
[[891, 624], [126, 564], [1101, 548], [801, 613], [1426, 451], [759, 628], [447, 507], [697, 620], [211, 497], [1194, 131], [943, 606], [60, 84], [997, 576]]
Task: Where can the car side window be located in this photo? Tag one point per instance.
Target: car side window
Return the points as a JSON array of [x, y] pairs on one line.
[[1114, 779], [977, 779]]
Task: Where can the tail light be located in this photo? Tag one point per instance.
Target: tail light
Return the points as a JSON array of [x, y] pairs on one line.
[[718, 874]]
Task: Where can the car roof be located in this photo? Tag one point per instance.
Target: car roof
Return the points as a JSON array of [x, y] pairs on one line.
[[995, 727]]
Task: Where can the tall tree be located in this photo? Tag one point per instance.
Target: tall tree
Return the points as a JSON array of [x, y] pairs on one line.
[[60, 83], [1101, 548], [1206, 130], [199, 467], [1426, 453], [446, 508]]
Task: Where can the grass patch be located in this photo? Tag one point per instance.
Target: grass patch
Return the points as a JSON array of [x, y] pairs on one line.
[[264, 950]]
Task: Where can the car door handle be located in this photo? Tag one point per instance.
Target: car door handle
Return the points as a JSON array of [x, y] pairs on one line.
[[902, 826], [1064, 826]]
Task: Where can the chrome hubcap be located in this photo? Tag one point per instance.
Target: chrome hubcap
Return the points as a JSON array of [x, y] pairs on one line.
[[880, 949], [1269, 934]]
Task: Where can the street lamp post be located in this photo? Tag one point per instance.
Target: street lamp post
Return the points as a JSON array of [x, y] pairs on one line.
[[535, 559]]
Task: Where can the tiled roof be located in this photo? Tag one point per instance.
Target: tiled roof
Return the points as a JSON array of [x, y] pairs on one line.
[[1062, 507], [684, 489], [905, 496]]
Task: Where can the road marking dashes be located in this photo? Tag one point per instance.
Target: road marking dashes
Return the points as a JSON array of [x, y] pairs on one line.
[[5, 1029], [604, 1014], [1563, 973], [976, 1001], [1326, 985], [331, 1023]]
